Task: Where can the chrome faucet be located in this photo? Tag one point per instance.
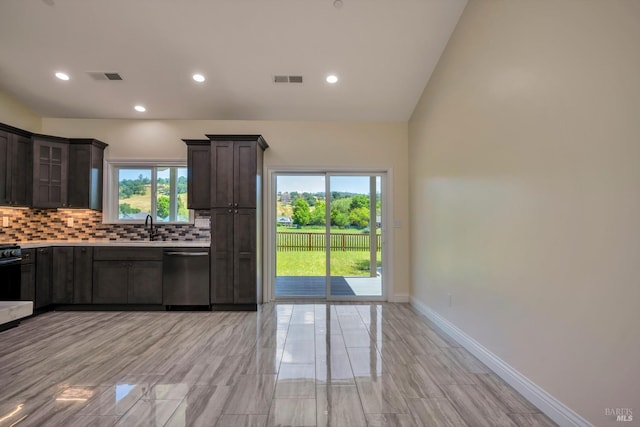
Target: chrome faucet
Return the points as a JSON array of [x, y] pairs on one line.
[[148, 222]]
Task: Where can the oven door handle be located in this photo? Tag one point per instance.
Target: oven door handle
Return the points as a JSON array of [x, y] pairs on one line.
[[4, 262]]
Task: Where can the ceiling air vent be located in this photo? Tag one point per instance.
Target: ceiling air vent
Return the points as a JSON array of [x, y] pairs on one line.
[[101, 75], [287, 79]]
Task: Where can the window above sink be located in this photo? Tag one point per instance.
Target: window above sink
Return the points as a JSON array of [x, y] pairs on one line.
[[136, 189]]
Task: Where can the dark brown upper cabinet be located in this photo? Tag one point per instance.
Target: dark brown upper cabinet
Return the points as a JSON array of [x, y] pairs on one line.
[[50, 167], [85, 172], [236, 168], [15, 167], [198, 173], [44, 171]]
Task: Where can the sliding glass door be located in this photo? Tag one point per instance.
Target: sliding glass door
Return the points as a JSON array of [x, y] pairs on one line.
[[328, 235], [355, 252], [301, 255]]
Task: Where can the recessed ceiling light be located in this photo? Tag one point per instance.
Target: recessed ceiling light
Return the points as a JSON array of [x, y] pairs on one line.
[[140, 108], [332, 78], [62, 76], [199, 78]]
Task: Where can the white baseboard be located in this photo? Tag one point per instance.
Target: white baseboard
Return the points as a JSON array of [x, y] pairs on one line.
[[547, 404], [402, 298]]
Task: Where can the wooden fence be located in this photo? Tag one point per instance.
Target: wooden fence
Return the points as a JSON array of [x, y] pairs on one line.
[[299, 242]]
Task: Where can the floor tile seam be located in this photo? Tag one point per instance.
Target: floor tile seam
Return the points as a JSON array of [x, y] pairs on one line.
[[275, 383], [404, 399], [458, 409], [356, 384], [451, 403]]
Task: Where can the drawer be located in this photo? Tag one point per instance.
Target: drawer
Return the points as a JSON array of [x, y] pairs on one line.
[[125, 253], [28, 256]]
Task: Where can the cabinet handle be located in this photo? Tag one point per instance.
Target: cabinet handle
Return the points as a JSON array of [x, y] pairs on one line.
[[229, 210], [229, 204], [235, 204], [236, 210]]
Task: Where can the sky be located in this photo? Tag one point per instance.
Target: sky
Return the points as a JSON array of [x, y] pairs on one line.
[[316, 183], [135, 173]]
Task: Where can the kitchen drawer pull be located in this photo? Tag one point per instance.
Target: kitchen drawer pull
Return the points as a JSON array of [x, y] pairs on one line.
[[187, 253]]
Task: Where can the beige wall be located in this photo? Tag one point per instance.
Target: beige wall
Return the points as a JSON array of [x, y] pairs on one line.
[[305, 144], [525, 194], [15, 114]]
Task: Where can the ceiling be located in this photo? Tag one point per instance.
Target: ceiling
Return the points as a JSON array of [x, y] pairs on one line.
[[383, 52]]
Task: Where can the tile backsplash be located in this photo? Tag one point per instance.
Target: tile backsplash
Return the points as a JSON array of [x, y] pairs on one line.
[[54, 224]]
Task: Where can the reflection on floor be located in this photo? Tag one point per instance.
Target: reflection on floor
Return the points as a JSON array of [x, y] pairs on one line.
[[376, 364], [314, 286]]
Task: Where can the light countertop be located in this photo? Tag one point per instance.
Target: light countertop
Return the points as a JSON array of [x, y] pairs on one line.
[[14, 310], [140, 243]]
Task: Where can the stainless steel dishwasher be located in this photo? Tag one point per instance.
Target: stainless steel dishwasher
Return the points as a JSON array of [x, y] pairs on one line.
[[185, 276]]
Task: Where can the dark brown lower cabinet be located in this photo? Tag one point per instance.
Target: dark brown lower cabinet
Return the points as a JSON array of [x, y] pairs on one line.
[[110, 282], [28, 275], [127, 282], [62, 275], [82, 275], [43, 278], [233, 257], [221, 274], [244, 259], [145, 282]]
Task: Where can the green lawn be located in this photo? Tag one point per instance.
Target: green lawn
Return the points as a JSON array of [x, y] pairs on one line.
[[143, 202], [304, 263], [320, 229]]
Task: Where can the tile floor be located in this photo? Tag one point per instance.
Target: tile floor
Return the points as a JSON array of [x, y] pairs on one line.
[[286, 365]]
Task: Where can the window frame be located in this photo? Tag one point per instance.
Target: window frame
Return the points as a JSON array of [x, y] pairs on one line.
[[111, 194]]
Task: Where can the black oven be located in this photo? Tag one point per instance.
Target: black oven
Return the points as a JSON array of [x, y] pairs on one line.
[[10, 257]]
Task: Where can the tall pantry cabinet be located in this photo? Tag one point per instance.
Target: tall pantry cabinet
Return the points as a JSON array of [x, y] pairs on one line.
[[234, 200]]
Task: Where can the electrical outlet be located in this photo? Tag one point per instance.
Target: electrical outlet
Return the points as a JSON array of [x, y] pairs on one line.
[[70, 222], [5, 221]]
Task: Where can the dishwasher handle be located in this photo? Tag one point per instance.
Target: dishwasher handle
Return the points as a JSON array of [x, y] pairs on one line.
[[187, 253]]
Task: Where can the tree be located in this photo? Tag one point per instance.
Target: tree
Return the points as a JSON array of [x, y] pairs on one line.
[[359, 217], [318, 215], [293, 197], [301, 213], [126, 209], [182, 184], [341, 205], [183, 212], [163, 206], [359, 201], [309, 198], [339, 218]]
